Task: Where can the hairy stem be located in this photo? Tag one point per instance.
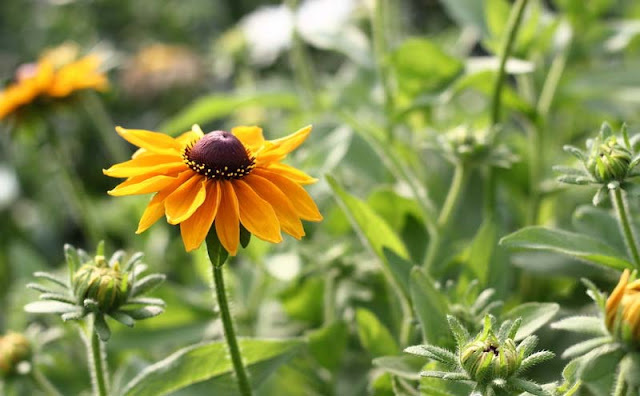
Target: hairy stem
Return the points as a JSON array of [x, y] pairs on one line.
[[96, 356], [227, 323], [622, 210]]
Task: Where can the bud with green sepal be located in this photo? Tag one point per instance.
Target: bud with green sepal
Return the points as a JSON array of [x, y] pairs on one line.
[[491, 362], [103, 287]]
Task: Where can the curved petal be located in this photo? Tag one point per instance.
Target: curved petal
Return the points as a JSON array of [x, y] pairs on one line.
[[152, 141], [611, 307], [144, 184], [155, 209], [287, 216], [279, 148], [147, 164], [256, 214], [292, 173], [300, 199], [250, 136], [228, 218], [184, 200], [194, 230]]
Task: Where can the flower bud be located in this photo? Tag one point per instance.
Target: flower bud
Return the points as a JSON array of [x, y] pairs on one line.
[[465, 144], [608, 160], [486, 358], [106, 285], [622, 311], [14, 348]]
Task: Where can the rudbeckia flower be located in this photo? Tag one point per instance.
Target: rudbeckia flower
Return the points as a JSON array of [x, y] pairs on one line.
[[48, 78], [623, 309], [219, 180]]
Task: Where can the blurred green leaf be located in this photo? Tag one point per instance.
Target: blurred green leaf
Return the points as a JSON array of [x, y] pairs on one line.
[[466, 13], [569, 243], [211, 362], [405, 366], [374, 336], [534, 315], [213, 107], [431, 308], [421, 66], [327, 345], [303, 300], [482, 249]]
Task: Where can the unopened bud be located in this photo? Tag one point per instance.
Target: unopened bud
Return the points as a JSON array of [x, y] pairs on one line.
[[106, 285], [608, 160], [14, 349]]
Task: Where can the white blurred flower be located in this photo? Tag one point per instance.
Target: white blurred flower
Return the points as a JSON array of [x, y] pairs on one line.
[[268, 31], [320, 22], [9, 188]]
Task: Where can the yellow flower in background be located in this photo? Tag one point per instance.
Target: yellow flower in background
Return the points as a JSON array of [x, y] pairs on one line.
[[219, 180], [56, 74], [623, 309]]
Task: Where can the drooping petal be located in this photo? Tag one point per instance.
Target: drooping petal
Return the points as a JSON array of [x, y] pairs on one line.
[[152, 141], [186, 199], [279, 148], [250, 136], [155, 209], [289, 220], [143, 184], [151, 164], [300, 199], [194, 230], [228, 218], [256, 214], [292, 173]]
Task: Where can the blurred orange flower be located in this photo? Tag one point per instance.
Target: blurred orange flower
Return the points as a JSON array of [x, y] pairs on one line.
[[623, 309], [57, 74], [219, 179]]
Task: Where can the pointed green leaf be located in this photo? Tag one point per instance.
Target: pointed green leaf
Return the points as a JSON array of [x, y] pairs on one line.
[[534, 315], [431, 308], [403, 366], [328, 344], [374, 336], [569, 243]]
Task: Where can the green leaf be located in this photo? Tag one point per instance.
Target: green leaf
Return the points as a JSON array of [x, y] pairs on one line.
[[374, 336], [327, 344], [534, 315], [482, 249], [54, 307], [600, 362], [213, 107], [217, 253], [421, 66], [211, 362], [581, 324], [403, 366], [101, 327], [466, 13], [431, 308], [569, 243], [147, 284]]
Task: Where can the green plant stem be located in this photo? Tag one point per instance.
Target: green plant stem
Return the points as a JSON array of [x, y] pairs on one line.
[[43, 383], [628, 234], [229, 332], [513, 24], [460, 177], [104, 125], [380, 46], [330, 297], [96, 356]]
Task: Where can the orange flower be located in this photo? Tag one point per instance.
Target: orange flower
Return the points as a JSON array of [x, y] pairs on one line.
[[219, 180], [623, 309], [45, 79]]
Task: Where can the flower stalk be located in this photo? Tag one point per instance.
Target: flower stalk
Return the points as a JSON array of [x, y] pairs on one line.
[[622, 210], [43, 383], [96, 355], [218, 256]]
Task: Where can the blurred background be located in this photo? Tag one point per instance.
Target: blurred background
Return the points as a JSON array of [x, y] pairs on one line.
[[222, 63]]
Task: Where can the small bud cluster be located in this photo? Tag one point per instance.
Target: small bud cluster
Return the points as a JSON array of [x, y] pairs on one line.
[[492, 360], [100, 287]]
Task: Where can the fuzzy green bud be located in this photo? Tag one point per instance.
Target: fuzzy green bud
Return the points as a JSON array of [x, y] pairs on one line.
[[608, 160], [486, 358], [14, 348], [465, 144], [106, 285]]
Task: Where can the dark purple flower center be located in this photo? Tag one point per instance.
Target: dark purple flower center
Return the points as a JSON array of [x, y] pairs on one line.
[[219, 155]]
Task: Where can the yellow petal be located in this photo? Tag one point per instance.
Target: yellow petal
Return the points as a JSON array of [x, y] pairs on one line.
[[152, 141], [300, 199], [147, 164], [190, 136], [279, 148], [194, 230], [250, 136], [256, 214], [289, 220], [228, 219], [614, 299], [155, 209], [142, 185], [184, 200], [292, 173]]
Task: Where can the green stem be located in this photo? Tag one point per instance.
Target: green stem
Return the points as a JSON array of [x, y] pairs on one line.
[[622, 209], [513, 24], [460, 177], [380, 46], [43, 383], [104, 124], [329, 297], [217, 257], [96, 356]]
